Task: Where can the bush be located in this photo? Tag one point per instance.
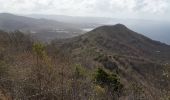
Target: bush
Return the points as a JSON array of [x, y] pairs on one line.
[[3, 69], [111, 81]]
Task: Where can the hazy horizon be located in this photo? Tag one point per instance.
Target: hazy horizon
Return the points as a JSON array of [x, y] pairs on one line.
[[133, 9]]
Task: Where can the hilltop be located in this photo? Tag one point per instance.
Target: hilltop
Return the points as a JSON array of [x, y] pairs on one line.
[[119, 39], [133, 56]]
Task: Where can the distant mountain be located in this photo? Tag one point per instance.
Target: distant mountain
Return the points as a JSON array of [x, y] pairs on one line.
[[157, 30], [135, 57], [119, 39], [42, 28], [72, 19]]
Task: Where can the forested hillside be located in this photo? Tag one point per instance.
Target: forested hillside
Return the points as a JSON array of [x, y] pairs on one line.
[[108, 63]]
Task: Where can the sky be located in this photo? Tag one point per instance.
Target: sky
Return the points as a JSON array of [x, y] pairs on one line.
[[140, 9]]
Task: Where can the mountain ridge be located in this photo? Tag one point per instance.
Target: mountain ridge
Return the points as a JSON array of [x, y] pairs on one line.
[[43, 29], [135, 57], [118, 38]]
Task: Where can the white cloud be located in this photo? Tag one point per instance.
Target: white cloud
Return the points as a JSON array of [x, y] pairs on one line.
[[86, 7], [152, 6]]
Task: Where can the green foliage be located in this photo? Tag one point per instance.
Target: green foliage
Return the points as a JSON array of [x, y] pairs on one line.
[[101, 77], [79, 71], [3, 69], [110, 80], [39, 49], [101, 58]]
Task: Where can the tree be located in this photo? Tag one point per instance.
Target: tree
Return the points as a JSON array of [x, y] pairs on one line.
[[77, 82], [109, 81], [3, 69], [43, 75], [39, 50]]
